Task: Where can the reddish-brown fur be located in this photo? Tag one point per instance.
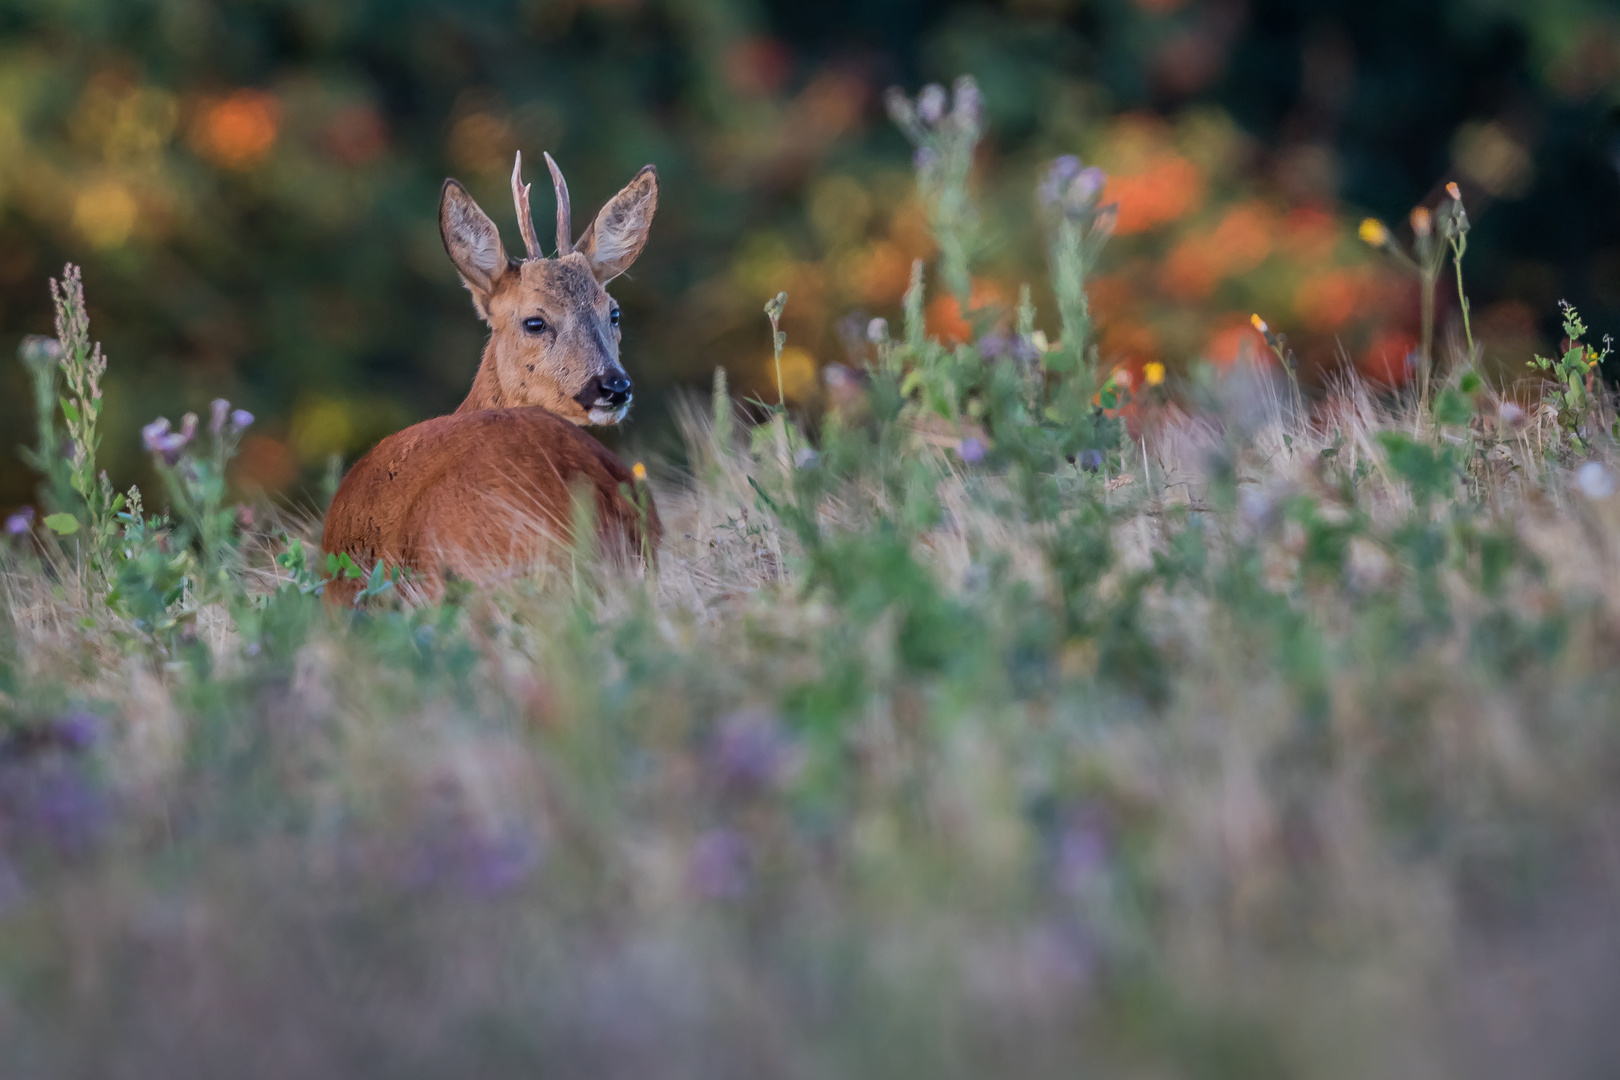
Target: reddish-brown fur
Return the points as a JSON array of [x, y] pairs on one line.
[[489, 489]]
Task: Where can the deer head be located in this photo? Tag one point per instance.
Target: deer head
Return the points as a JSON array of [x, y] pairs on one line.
[[554, 330]]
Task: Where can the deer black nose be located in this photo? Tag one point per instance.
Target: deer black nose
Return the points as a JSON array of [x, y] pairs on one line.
[[616, 389]]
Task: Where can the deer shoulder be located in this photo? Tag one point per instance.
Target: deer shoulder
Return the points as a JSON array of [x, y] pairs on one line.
[[490, 489]]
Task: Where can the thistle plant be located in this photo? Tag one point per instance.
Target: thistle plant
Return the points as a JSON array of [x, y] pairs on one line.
[[196, 483], [945, 140], [1077, 230]]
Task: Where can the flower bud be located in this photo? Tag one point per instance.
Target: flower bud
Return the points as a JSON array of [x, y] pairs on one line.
[[1106, 219], [38, 351], [931, 104], [1373, 232], [1060, 175], [1087, 186], [20, 522], [188, 426], [877, 331], [1422, 222], [241, 419], [1454, 191], [152, 433], [969, 102], [218, 409], [899, 107]]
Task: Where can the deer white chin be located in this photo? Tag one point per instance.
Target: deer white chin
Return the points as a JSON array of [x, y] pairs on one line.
[[607, 417]]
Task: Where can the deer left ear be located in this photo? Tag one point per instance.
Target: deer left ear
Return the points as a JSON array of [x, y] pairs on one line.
[[473, 243], [612, 242]]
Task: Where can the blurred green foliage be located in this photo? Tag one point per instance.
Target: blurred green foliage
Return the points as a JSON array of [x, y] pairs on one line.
[[251, 186]]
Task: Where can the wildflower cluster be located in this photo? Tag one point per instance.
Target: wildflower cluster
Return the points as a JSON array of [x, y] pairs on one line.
[[1573, 396]]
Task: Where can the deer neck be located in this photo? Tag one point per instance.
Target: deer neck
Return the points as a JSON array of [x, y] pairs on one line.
[[486, 392]]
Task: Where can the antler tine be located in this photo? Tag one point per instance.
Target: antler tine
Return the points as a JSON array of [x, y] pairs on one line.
[[520, 196], [565, 229]]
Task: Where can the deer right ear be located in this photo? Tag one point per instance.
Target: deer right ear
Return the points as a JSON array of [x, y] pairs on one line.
[[612, 241], [473, 243]]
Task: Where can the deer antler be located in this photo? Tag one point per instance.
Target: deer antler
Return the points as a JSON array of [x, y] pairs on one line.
[[520, 196], [565, 243]]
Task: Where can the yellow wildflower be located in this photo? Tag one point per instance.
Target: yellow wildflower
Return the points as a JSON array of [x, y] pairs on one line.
[[1259, 324], [1454, 191], [1374, 232], [1153, 373], [639, 471]]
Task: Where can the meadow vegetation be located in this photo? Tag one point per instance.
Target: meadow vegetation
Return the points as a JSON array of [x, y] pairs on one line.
[[1017, 716]]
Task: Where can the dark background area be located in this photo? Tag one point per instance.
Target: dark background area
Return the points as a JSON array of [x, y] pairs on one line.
[[251, 185]]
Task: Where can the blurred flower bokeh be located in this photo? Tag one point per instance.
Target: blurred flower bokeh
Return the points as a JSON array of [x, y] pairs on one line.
[[252, 189]]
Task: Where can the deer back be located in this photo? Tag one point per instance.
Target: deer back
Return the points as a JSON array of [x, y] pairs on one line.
[[482, 495]]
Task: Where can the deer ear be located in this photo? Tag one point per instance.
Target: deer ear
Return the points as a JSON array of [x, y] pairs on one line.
[[612, 242], [473, 242]]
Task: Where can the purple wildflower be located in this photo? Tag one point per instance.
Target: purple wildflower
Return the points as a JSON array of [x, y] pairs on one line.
[[485, 861], [241, 419], [76, 730], [1081, 857], [165, 443], [218, 410], [719, 865], [153, 433], [1059, 175], [1091, 460], [750, 751], [20, 522], [931, 104], [1088, 185], [1070, 187], [877, 331], [971, 450], [51, 798]]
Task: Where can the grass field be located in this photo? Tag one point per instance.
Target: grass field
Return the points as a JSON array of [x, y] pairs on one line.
[[1013, 721]]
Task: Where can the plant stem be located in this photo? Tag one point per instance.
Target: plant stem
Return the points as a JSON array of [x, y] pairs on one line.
[[1426, 350], [1458, 248]]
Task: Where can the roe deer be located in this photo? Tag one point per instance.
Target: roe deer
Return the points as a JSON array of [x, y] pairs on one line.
[[485, 490]]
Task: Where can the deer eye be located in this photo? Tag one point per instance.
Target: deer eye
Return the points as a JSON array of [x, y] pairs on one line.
[[613, 316], [534, 324]]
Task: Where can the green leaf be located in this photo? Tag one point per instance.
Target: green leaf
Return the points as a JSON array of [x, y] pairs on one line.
[[70, 410], [62, 524], [118, 502], [1470, 383], [1453, 408], [374, 582]]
